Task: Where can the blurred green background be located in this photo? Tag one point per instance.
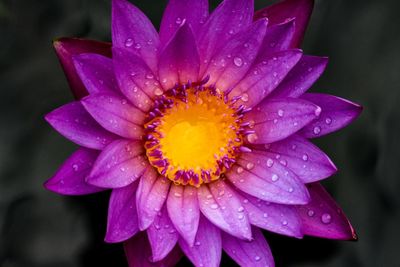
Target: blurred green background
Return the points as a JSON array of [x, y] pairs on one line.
[[39, 228]]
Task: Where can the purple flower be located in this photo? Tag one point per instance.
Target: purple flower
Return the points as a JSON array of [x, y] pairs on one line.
[[201, 131]]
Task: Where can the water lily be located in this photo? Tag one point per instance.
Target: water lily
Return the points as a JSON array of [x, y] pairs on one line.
[[201, 131]]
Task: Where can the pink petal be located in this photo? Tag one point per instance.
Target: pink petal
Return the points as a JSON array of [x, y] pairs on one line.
[[119, 164], [66, 48], [70, 177], [137, 82], [151, 195], [265, 76], [273, 183], [96, 73], [122, 222], [194, 12], [277, 218], [322, 217], [115, 114], [230, 64], [75, 123], [276, 119], [138, 253], [183, 209], [277, 38], [299, 155], [179, 62], [207, 247], [220, 205], [287, 9], [229, 18], [248, 253], [162, 236], [336, 114], [131, 29], [301, 77]]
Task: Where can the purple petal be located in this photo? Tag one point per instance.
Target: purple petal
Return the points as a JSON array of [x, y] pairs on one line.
[[265, 76], [274, 183], [151, 195], [207, 248], [229, 18], [230, 64], [96, 73], [299, 155], [336, 114], [248, 253], [162, 235], [277, 38], [179, 61], [115, 114], [66, 48], [276, 119], [194, 12], [136, 81], [287, 9], [122, 222], [138, 253], [301, 77], [131, 29], [119, 164], [75, 123], [322, 217], [70, 177], [219, 204], [183, 209], [277, 218]]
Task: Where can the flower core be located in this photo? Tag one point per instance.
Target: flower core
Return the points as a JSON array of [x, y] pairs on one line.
[[193, 134]]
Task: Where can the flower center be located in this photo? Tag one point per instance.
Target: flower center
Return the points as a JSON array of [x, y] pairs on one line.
[[193, 134]]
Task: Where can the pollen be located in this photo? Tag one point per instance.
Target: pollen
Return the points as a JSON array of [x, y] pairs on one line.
[[193, 134]]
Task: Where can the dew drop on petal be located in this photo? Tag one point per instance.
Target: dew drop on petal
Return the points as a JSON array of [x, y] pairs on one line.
[[238, 61], [239, 170], [317, 130], [284, 223], [252, 138], [305, 157], [257, 258], [270, 162], [280, 113], [328, 121], [250, 166], [245, 97], [158, 92], [176, 194], [128, 42], [326, 218], [240, 209], [214, 206], [310, 213], [75, 167], [274, 177]]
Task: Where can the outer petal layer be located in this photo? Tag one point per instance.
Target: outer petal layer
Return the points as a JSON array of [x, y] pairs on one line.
[[220, 205], [207, 247], [118, 165], [162, 235], [66, 48], [70, 178], [276, 119], [288, 9], [183, 209], [75, 123], [336, 114], [122, 220], [131, 29], [322, 217], [249, 253], [193, 12]]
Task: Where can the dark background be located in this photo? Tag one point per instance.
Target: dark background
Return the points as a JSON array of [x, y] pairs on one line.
[[39, 228]]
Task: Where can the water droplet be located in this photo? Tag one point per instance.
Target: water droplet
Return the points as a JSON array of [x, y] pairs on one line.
[[129, 42], [240, 216], [317, 130], [123, 101], [197, 243], [239, 170], [245, 97], [275, 121], [265, 215], [305, 157], [214, 206], [178, 20], [294, 147], [270, 162], [252, 138], [240, 209], [290, 190], [245, 201], [249, 166], [283, 162], [326, 218], [122, 169], [257, 258], [158, 92], [177, 194], [275, 74], [238, 61], [138, 46], [149, 76], [246, 45], [284, 222], [75, 167], [274, 177], [280, 113], [310, 213], [328, 121]]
